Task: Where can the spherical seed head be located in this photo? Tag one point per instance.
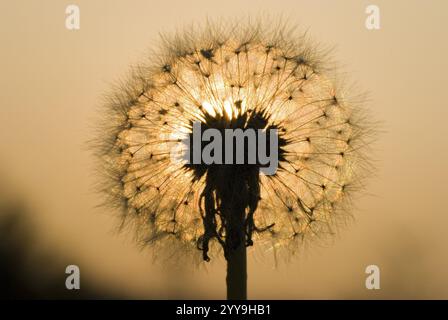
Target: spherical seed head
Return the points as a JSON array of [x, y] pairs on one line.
[[220, 76]]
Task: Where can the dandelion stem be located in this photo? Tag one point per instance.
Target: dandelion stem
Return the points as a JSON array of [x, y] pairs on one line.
[[237, 274], [236, 256]]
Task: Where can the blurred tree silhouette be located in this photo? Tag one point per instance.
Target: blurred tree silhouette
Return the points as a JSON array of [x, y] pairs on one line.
[[27, 271]]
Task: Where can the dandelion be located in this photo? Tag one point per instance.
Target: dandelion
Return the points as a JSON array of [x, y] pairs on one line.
[[234, 76]]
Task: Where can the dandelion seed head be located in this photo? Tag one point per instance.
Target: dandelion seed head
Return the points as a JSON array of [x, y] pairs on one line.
[[237, 76]]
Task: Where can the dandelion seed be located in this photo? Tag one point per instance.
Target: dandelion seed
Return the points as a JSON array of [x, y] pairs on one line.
[[236, 77]]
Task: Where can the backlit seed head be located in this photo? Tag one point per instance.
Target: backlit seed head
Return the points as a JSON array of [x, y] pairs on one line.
[[238, 76]]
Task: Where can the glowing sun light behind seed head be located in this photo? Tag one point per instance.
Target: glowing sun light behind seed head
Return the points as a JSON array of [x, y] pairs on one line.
[[268, 78]]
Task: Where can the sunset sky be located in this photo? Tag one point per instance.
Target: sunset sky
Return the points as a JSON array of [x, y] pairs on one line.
[[52, 81]]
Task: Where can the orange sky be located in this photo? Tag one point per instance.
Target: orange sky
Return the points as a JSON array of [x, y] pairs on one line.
[[52, 80]]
